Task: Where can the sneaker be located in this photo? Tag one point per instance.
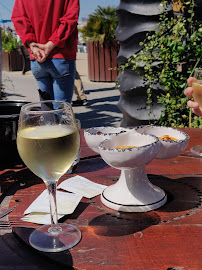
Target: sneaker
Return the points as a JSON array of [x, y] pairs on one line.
[[80, 102]]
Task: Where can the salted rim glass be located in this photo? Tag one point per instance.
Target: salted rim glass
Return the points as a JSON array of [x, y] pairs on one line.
[[48, 142]]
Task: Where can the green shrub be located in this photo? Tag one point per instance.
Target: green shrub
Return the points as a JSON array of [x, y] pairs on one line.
[[9, 40], [101, 25]]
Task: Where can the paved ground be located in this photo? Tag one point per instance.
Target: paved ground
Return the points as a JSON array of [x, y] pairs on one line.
[[102, 109]]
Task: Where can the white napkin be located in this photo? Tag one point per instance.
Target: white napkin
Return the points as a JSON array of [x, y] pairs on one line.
[[66, 203], [39, 218], [83, 186], [39, 210]]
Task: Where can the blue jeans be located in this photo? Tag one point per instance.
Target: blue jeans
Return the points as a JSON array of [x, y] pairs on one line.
[[56, 77]]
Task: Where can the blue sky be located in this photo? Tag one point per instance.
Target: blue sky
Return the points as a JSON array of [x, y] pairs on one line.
[[86, 7]]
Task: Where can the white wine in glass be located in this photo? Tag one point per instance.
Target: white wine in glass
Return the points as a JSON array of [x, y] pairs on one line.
[[197, 95], [48, 141], [197, 87]]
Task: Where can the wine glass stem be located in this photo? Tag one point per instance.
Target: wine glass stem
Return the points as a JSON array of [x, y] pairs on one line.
[[51, 186]]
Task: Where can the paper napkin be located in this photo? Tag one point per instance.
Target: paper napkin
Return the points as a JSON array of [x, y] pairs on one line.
[[81, 185], [39, 210], [66, 203], [39, 218]]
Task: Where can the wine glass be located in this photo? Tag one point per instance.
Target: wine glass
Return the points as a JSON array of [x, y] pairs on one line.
[[48, 142], [77, 159], [197, 95]]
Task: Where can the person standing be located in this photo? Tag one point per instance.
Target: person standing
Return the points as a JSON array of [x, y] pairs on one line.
[[49, 29], [79, 91]]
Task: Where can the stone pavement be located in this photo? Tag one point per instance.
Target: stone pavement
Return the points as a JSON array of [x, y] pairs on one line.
[[101, 110]]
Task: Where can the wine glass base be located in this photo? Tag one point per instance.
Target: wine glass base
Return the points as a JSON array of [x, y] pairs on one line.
[[43, 240], [197, 150]]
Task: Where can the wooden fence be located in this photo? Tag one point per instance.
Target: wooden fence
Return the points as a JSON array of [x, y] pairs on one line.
[[102, 61]]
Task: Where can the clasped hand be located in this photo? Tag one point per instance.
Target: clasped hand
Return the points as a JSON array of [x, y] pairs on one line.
[[41, 51]]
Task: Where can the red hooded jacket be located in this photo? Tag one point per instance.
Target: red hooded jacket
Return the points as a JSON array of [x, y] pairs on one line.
[[48, 20]]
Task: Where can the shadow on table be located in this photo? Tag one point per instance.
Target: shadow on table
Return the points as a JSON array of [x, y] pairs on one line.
[[12, 180], [183, 194], [183, 200], [17, 247], [120, 224]]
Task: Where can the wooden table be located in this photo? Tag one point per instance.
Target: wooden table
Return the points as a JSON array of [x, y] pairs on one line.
[[164, 239]]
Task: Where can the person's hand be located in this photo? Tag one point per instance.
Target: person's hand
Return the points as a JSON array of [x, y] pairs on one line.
[[189, 93], [38, 54], [47, 48]]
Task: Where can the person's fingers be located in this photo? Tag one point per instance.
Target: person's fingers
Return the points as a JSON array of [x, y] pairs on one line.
[[35, 56], [42, 57], [193, 104], [38, 55], [197, 112], [188, 92], [41, 60], [42, 53], [35, 52], [195, 107], [33, 44], [191, 80], [40, 46]]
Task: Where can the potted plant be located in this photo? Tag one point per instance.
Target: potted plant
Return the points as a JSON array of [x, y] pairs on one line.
[[169, 56], [11, 56], [99, 33]]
